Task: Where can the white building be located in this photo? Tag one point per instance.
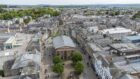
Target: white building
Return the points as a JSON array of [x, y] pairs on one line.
[[7, 40], [117, 30], [10, 42], [103, 72], [93, 29]]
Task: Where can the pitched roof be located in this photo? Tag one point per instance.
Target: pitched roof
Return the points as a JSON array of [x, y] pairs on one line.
[[25, 59], [61, 41]]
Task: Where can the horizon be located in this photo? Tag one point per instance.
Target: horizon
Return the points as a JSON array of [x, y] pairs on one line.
[[68, 2]]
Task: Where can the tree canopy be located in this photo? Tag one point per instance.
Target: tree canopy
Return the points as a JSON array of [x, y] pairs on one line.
[[3, 6], [34, 13], [137, 15], [2, 10], [58, 68], [26, 21], [79, 67], [58, 65], [76, 56], [57, 60]]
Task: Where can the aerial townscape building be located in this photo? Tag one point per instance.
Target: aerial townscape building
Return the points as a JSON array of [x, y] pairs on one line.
[[64, 46], [69, 42]]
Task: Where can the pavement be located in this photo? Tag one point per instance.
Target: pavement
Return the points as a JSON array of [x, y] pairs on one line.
[[47, 61], [88, 71], [68, 68], [42, 66]]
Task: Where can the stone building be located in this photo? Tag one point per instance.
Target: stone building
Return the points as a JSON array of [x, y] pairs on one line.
[[64, 46]]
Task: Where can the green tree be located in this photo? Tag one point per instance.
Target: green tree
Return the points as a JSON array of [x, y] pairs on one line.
[[76, 56], [117, 13], [3, 6], [34, 13], [79, 67], [2, 73], [57, 59], [58, 68], [2, 10], [26, 21], [137, 15]]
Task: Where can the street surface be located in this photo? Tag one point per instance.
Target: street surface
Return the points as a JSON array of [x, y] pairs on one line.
[[88, 71], [47, 61]]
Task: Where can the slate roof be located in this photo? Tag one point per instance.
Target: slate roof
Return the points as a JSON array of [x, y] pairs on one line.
[[25, 59], [126, 76], [61, 41]]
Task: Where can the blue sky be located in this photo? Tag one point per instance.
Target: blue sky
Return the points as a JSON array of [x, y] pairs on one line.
[[66, 2]]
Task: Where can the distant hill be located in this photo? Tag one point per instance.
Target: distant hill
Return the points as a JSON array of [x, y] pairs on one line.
[[82, 6]]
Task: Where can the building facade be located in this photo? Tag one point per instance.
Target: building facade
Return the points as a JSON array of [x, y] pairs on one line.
[[64, 46]]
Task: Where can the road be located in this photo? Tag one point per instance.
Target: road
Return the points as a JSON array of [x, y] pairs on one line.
[[42, 66], [47, 63], [88, 71]]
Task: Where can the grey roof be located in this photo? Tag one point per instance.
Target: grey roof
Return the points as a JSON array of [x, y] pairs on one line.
[[5, 56], [61, 41], [7, 35], [103, 42], [4, 59], [124, 46], [25, 59], [136, 37], [94, 47], [127, 76]]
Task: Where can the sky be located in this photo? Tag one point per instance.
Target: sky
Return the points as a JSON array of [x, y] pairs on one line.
[[68, 2]]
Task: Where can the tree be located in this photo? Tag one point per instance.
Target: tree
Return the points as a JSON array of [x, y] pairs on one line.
[[76, 56], [2, 10], [26, 21], [137, 15], [34, 13], [79, 67], [17, 22], [3, 6], [58, 68], [57, 60], [117, 13]]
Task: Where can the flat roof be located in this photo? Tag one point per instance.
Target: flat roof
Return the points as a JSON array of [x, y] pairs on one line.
[[103, 41], [7, 35], [127, 76], [124, 46], [2, 41], [116, 30], [94, 47], [131, 68], [136, 37], [132, 56], [11, 39]]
